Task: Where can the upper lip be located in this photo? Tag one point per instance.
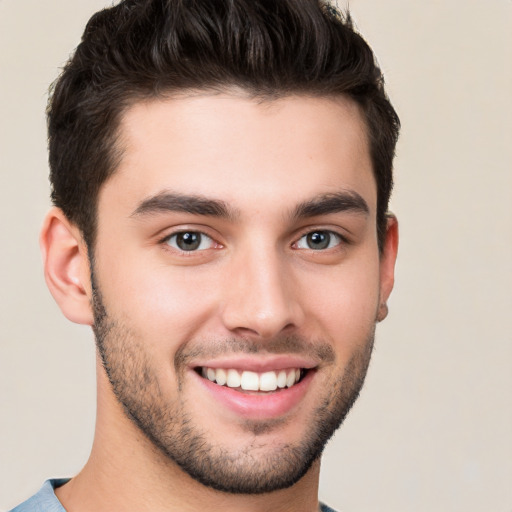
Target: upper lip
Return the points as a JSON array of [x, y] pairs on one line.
[[258, 364]]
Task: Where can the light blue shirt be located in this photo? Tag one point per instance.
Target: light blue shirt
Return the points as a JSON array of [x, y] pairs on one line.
[[46, 501]]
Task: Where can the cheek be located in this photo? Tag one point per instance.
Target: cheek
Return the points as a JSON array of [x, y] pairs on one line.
[[163, 305], [344, 303]]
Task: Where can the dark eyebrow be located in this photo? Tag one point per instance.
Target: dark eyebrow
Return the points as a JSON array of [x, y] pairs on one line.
[[346, 201], [194, 204]]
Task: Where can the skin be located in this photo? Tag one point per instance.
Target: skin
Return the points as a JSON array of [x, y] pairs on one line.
[[255, 281]]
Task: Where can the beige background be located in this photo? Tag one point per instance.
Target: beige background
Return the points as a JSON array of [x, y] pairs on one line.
[[433, 428]]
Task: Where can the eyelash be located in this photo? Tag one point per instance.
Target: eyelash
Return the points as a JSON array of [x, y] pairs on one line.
[[166, 240], [342, 240]]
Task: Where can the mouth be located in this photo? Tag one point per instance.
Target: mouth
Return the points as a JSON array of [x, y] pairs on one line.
[[255, 389], [253, 382]]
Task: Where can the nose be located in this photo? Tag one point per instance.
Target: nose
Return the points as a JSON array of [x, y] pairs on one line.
[[262, 298]]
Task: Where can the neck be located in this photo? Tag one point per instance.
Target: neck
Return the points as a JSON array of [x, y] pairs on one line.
[[126, 472]]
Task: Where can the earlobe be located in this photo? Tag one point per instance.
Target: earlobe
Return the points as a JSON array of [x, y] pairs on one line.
[[66, 267], [387, 266]]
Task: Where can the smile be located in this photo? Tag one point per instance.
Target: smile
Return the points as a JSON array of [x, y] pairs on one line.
[[253, 381]]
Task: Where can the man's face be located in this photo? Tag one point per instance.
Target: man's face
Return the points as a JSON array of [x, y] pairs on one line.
[[238, 280]]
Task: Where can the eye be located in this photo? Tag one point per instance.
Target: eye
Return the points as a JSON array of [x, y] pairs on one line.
[[190, 241], [319, 240]]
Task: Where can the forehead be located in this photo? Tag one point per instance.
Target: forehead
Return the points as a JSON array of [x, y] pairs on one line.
[[242, 151]]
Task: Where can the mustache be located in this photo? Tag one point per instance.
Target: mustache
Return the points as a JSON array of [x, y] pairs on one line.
[[320, 351]]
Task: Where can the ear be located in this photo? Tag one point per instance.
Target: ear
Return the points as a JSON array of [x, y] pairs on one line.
[[66, 267], [387, 265]]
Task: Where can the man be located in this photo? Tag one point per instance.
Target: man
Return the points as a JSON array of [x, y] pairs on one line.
[[221, 174]]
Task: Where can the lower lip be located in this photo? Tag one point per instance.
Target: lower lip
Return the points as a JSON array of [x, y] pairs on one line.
[[259, 406]]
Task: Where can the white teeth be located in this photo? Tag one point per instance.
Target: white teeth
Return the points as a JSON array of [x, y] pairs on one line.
[[268, 381], [290, 379], [221, 377], [233, 379], [281, 379], [252, 381]]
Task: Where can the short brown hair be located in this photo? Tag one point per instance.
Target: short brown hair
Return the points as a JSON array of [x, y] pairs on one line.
[[143, 49]]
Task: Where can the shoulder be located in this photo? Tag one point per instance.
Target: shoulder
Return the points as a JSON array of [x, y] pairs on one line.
[[325, 508], [44, 500]]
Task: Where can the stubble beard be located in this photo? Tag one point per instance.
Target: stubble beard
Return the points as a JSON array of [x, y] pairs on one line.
[[164, 421]]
